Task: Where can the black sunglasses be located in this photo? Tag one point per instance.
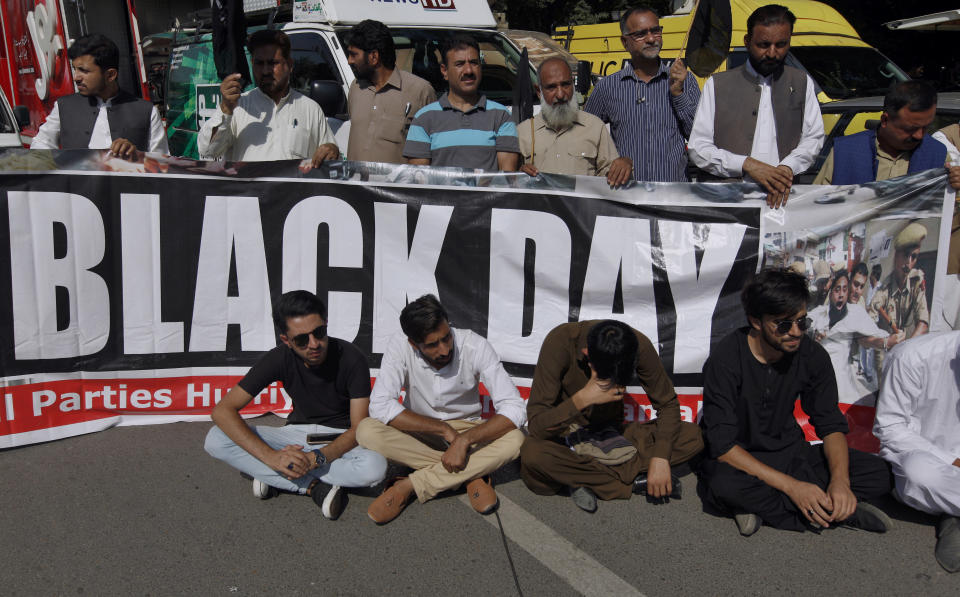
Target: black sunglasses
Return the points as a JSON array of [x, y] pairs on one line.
[[301, 340], [785, 325]]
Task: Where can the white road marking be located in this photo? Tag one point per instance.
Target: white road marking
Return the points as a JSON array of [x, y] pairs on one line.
[[579, 570]]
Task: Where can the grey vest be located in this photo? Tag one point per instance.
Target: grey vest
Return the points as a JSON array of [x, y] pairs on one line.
[[128, 116], [737, 98]]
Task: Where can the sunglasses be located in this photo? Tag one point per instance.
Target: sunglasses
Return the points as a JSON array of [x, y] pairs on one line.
[[641, 33], [301, 340], [785, 325]]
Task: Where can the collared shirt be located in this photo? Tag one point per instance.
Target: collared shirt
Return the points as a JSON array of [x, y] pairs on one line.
[[585, 149], [448, 137], [888, 166], [750, 404], [725, 164], [261, 130], [906, 307], [919, 397], [48, 136], [379, 119], [562, 371], [451, 392], [649, 125]]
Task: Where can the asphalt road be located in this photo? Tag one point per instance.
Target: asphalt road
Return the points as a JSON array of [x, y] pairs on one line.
[[145, 511]]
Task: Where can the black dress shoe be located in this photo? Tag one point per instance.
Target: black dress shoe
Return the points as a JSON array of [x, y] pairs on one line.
[[640, 486]]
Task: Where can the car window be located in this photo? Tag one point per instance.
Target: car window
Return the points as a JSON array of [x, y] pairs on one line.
[[418, 51], [312, 61], [844, 72]]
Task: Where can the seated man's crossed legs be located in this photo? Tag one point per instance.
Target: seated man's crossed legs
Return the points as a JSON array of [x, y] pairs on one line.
[[424, 454], [547, 467]]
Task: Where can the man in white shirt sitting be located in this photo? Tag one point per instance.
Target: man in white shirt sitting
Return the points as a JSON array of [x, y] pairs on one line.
[[918, 424], [100, 115], [438, 430], [759, 122], [271, 121]]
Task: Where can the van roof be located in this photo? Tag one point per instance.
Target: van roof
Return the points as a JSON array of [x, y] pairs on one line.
[[393, 13]]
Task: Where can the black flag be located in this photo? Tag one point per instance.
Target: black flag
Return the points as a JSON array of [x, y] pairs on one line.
[[709, 41], [230, 39], [523, 90]]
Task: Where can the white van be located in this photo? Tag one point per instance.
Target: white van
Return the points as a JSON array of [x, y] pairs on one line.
[[316, 29]]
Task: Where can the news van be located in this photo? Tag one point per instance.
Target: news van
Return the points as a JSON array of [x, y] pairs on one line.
[[320, 70], [824, 45], [34, 67]]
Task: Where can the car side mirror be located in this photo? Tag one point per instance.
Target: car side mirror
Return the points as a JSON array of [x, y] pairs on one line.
[[22, 114], [330, 96], [584, 77]]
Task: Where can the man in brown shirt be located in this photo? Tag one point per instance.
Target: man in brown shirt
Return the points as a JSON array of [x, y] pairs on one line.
[[383, 99], [565, 140], [577, 394]]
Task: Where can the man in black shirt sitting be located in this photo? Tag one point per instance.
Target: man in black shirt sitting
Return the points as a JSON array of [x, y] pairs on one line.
[[759, 467], [328, 381]]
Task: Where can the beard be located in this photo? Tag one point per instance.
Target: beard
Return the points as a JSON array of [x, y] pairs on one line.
[[766, 67], [559, 117]]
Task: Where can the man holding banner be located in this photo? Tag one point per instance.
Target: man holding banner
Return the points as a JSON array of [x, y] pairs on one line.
[[578, 439], [760, 122], [328, 382], [271, 121], [565, 140], [649, 105]]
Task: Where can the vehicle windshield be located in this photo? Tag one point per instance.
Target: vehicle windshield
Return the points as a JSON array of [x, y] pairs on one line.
[[844, 72], [418, 51]]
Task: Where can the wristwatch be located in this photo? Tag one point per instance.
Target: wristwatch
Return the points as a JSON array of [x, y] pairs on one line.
[[320, 458]]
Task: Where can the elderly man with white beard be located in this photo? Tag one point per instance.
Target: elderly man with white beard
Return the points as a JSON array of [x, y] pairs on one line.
[[565, 140]]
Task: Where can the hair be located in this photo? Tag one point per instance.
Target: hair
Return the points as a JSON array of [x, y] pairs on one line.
[[457, 42], [550, 60], [296, 303], [105, 53], [421, 317], [633, 11], [860, 268], [876, 271], [775, 291], [916, 96], [269, 37], [840, 273], [370, 35], [612, 349], [771, 14]]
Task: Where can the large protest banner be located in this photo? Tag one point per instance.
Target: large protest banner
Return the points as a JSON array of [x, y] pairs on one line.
[[141, 295]]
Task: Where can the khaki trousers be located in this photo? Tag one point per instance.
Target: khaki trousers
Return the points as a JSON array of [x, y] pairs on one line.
[[423, 453]]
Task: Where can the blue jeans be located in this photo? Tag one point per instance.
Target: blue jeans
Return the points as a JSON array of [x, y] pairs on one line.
[[359, 467]]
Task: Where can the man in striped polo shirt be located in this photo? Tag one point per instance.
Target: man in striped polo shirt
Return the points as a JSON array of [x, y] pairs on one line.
[[463, 128]]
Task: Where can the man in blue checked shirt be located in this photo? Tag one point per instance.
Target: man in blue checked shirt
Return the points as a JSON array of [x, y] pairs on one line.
[[650, 106], [463, 128]]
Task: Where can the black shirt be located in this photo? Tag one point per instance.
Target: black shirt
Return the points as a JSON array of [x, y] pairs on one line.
[[320, 395], [750, 404]]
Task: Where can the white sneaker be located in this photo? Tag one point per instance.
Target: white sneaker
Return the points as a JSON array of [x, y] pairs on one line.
[[263, 491], [329, 498]]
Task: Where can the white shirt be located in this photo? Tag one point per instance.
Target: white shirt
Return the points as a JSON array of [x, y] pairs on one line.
[[855, 324], [48, 136], [261, 130], [953, 154], [448, 393], [725, 164], [919, 403]]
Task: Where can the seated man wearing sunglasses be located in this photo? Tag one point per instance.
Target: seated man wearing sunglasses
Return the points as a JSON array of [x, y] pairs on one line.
[[328, 382], [759, 467]]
